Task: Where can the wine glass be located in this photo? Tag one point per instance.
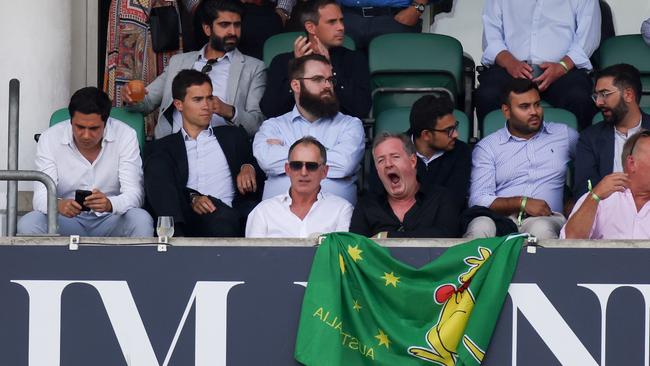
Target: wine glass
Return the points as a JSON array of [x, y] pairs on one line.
[[165, 226]]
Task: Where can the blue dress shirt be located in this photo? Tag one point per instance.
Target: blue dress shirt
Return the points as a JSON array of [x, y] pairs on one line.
[[342, 136], [541, 30], [507, 166]]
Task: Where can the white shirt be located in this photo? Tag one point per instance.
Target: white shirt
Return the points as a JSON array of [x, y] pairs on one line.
[[424, 159], [117, 171], [219, 76], [541, 30], [273, 218], [208, 170], [619, 140]]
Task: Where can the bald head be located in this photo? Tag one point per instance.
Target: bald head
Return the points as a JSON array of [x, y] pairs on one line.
[[636, 150]]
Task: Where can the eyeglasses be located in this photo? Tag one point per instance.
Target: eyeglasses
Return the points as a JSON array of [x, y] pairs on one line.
[[208, 66], [449, 130], [311, 166], [602, 95], [318, 79], [642, 134]]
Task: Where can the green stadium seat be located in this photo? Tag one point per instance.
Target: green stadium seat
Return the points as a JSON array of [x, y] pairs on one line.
[[396, 120], [494, 120], [629, 49], [405, 66], [283, 42], [133, 119]]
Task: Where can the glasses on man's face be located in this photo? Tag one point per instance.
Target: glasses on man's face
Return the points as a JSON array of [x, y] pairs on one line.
[[449, 130], [208, 65], [311, 166], [603, 94], [320, 80]]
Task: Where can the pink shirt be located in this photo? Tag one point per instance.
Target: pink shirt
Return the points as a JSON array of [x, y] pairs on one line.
[[617, 218]]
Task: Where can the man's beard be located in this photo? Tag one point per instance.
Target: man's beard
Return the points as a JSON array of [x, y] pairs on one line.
[[617, 113], [318, 106], [219, 44]]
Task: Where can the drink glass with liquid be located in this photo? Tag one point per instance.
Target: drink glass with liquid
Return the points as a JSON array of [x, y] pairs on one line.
[[165, 226]]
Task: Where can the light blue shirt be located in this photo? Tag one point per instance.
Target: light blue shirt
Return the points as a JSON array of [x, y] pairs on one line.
[[507, 166], [645, 31], [376, 3], [342, 136], [541, 30]]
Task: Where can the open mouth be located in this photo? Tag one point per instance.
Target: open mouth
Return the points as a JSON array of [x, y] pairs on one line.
[[394, 178]]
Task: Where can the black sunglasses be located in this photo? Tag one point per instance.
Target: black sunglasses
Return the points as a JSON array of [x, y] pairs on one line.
[[208, 66], [449, 130], [311, 166]]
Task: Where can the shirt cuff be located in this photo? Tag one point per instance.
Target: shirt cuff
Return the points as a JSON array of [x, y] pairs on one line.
[[491, 52], [579, 58]]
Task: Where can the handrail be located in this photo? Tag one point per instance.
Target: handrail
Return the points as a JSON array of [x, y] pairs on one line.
[[12, 156], [34, 175]]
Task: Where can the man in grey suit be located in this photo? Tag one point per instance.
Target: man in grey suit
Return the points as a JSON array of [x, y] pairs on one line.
[[238, 80]]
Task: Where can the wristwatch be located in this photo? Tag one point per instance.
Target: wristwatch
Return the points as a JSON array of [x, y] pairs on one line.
[[419, 7]]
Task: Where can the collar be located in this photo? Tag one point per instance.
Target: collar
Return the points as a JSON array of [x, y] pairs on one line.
[[424, 159], [109, 133], [505, 135], [295, 114], [201, 55], [630, 131], [286, 200], [187, 137]]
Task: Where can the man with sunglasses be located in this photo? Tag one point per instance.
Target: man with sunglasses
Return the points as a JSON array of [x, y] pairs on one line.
[[204, 177], [304, 210], [617, 94], [520, 170], [316, 114], [616, 208], [443, 160], [238, 80]]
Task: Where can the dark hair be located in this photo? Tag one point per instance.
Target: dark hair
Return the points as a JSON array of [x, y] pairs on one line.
[[186, 78], [408, 145], [311, 12], [625, 76], [297, 65], [208, 10], [427, 110], [310, 140], [90, 100], [517, 86]]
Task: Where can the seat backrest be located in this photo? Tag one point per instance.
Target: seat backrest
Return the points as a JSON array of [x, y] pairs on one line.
[[392, 57], [495, 120], [396, 120], [283, 42], [133, 119], [629, 49]]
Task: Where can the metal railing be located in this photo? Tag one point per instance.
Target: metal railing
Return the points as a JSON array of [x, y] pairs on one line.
[[13, 175]]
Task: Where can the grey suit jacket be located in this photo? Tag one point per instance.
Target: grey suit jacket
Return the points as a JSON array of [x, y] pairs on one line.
[[246, 83]]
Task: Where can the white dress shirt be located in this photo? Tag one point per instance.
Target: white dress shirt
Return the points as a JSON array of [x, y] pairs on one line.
[[208, 170], [619, 141], [219, 76], [541, 30], [117, 171], [273, 218], [342, 136]]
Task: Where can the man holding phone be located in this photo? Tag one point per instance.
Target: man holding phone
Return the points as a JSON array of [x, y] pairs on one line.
[[95, 162]]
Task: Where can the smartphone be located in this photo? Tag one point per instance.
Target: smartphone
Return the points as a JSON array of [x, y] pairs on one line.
[[79, 196]]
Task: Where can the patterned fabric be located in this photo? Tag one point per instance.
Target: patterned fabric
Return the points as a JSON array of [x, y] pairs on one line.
[[129, 54]]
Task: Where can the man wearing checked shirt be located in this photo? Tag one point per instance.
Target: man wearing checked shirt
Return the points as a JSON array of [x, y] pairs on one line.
[[519, 171]]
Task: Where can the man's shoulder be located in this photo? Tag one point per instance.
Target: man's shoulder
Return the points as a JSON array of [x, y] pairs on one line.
[[596, 130], [335, 201], [250, 61], [230, 132]]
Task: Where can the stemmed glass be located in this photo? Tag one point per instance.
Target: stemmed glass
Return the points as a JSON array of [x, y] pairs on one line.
[[165, 228]]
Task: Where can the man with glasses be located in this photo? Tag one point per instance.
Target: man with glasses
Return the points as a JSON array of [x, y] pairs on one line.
[[617, 94], [443, 160], [616, 208], [238, 80], [520, 170], [316, 114], [304, 210]]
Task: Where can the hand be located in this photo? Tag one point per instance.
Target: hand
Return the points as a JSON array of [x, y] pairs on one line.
[[408, 16], [69, 208], [203, 205], [535, 207], [98, 202], [283, 16], [126, 94], [518, 69], [274, 142], [302, 47], [615, 182], [552, 72], [246, 179], [222, 109], [318, 47]]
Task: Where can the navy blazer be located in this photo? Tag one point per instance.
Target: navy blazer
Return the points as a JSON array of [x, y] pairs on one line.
[[595, 154]]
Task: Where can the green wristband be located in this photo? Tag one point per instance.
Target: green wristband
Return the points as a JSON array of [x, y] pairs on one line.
[[522, 209], [593, 195]]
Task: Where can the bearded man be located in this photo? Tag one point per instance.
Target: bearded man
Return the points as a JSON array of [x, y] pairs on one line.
[[238, 81], [315, 114], [617, 94]]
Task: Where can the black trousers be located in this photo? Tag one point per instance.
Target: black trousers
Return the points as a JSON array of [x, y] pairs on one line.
[[364, 29], [571, 92], [259, 23]]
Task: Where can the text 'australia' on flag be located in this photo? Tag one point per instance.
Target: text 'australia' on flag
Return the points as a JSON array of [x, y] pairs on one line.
[[362, 307]]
